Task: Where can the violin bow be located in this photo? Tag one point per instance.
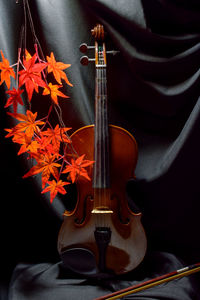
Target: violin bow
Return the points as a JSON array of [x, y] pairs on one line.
[[152, 282]]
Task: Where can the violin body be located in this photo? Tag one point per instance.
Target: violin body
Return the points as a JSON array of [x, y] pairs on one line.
[[102, 235], [128, 236]]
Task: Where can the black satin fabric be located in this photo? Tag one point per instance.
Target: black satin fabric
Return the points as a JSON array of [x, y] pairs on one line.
[[50, 281], [153, 91]]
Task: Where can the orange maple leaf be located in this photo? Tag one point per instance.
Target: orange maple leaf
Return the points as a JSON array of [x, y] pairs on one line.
[[77, 168], [6, 71], [45, 146], [11, 132], [27, 55], [56, 136], [29, 124], [15, 98], [28, 144], [52, 89], [31, 75], [56, 68], [46, 165], [54, 188]]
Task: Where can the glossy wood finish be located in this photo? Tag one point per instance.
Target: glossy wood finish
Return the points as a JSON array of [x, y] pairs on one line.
[[102, 223], [128, 241]]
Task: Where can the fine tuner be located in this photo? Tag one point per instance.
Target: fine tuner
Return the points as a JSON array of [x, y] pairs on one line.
[[84, 60]]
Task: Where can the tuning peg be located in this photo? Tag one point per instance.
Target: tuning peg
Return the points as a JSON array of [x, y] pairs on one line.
[[113, 52], [84, 60], [84, 47]]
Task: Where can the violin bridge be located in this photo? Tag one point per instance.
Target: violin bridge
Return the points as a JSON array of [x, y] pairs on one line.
[[102, 210]]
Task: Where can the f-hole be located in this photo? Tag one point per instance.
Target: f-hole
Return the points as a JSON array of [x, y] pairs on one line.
[[81, 220]]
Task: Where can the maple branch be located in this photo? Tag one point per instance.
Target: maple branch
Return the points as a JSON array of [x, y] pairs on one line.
[[14, 65], [47, 117], [21, 63], [38, 57], [18, 62], [25, 23], [63, 125], [26, 3], [59, 114], [61, 168], [36, 42]]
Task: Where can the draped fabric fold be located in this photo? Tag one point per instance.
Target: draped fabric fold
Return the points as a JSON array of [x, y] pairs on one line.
[[49, 281]]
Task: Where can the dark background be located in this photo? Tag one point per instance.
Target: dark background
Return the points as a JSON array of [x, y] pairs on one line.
[[153, 89]]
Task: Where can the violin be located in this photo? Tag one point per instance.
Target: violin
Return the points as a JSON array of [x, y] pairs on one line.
[[102, 235]]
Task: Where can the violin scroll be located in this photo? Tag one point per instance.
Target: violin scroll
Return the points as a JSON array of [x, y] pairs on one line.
[[98, 32]]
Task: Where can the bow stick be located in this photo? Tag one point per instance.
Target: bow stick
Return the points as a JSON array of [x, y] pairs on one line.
[[152, 282]]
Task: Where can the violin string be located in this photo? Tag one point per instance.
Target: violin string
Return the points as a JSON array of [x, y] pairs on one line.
[[103, 132], [99, 154], [104, 137], [102, 200], [99, 146], [95, 151], [107, 148], [101, 142]]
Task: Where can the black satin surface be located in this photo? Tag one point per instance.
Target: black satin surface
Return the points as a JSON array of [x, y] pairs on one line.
[[49, 281], [153, 92]]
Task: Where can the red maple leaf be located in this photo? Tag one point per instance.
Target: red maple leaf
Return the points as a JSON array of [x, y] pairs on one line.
[[56, 68], [31, 75], [15, 98], [46, 165], [28, 123], [77, 168], [54, 188], [56, 136], [52, 89], [6, 71]]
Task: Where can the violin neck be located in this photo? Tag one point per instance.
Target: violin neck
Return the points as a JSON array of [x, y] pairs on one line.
[[101, 147]]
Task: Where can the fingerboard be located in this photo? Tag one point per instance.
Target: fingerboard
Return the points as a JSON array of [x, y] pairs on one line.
[[101, 147]]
